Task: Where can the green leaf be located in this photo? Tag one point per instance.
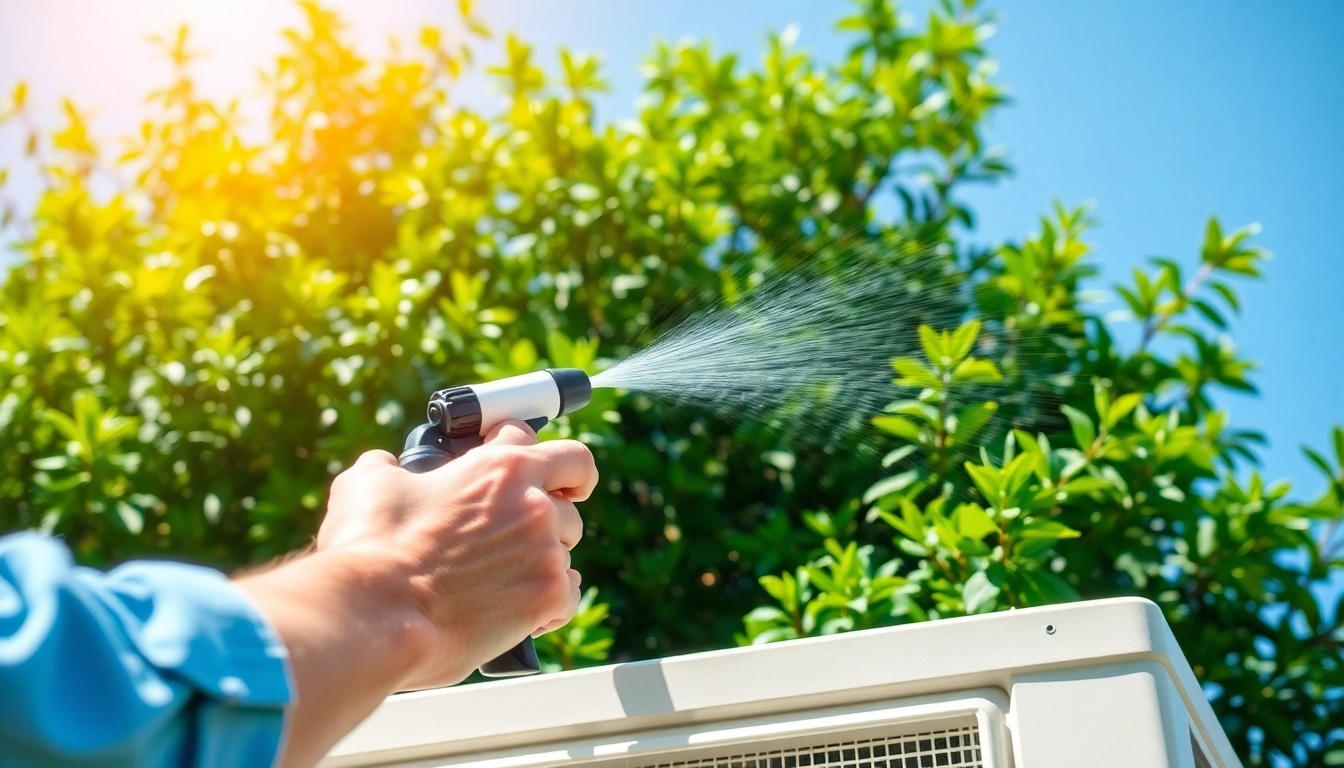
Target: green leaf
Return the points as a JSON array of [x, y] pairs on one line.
[[900, 427], [130, 518], [1101, 397], [917, 410], [1213, 242], [1038, 449], [973, 418], [895, 456], [1015, 475], [889, 485], [976, 371], [1032, 549], [1209, 313], [856, 23], [932, 344], [978, 594], [1045, 529], [1083, 485], [899, 524], [1228, 295], [972, 521], [973, 547], [915, 374], [1319, 461], [915, 520], [1084, 433], [53, 463], [987, 479], [1121, 408], [963, 339], [9, 405], [820, 578], [1039, 587], [912, 547], [782, 588], [767, 614]]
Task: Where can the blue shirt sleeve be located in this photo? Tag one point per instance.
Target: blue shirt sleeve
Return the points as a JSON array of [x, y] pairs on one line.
[[150, 665]]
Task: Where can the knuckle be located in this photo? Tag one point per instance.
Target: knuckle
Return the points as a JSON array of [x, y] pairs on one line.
[[376, 456], [578, 449], [343, 482], [510, 460], [486, 455], [537, 506], [555, 561], [585, 455], [497, 466], [558, 589]]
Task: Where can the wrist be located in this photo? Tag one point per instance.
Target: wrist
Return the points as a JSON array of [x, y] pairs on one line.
[[353, 635], [354, 603], [380, 588]]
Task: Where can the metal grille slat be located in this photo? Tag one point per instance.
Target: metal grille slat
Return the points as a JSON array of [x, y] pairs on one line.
[[949, 747]]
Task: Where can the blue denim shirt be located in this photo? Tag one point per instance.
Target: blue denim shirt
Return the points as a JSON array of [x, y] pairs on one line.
[[150, 665]]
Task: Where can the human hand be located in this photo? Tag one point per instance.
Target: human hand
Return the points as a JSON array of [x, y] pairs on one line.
[[480, 545]]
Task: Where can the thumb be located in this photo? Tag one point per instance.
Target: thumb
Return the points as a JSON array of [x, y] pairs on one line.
[[377, 458], [511, 432]]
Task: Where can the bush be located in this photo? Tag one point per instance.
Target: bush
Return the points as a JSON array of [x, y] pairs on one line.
[[190, 358]]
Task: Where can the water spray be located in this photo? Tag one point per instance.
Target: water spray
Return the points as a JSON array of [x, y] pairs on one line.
[[809, 349]]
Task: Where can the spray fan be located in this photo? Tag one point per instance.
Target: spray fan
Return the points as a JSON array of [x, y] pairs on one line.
[[1098, 684]]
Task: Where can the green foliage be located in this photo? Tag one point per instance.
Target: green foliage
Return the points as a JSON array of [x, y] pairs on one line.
[[584, 640], [252, 314], [1138, 486], [189, 359]]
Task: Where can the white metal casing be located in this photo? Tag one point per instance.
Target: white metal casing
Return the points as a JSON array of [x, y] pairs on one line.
[[1100, 684]]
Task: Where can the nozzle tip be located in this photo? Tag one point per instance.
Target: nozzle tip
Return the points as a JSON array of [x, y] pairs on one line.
[[576, 390]]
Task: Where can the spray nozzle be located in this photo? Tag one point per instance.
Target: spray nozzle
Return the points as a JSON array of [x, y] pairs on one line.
[[532, 397], [458, 419]]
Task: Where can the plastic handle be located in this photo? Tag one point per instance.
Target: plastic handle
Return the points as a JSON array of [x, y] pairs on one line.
[[522, 658]]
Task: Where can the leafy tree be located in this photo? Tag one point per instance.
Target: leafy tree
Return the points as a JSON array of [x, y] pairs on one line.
[[1141, 488], [189, 357]]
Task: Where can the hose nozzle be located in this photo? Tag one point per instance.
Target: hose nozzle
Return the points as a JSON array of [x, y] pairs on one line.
[[532, 397], [459, 418]]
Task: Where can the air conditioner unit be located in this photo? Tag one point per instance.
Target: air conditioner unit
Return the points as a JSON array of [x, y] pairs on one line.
[[1097, 684]]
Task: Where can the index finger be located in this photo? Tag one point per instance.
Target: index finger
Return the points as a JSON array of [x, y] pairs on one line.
[[511, 432], [566, 466]]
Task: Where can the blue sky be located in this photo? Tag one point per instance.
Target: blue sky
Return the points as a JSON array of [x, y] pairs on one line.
[[1158, 113]]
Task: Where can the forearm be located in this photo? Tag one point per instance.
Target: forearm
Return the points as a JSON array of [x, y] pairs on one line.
[[354, 636], [419, 578]]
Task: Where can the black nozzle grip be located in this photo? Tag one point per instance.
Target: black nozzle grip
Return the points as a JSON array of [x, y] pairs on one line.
[[522, 658]]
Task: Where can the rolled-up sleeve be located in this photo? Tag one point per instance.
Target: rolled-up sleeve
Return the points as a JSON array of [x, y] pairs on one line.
[[152, 664]]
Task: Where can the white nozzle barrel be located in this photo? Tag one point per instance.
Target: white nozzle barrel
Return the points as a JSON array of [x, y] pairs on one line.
[[548, 394], [517, 397]]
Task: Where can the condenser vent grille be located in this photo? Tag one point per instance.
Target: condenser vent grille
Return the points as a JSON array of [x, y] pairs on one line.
[[957, 746]]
